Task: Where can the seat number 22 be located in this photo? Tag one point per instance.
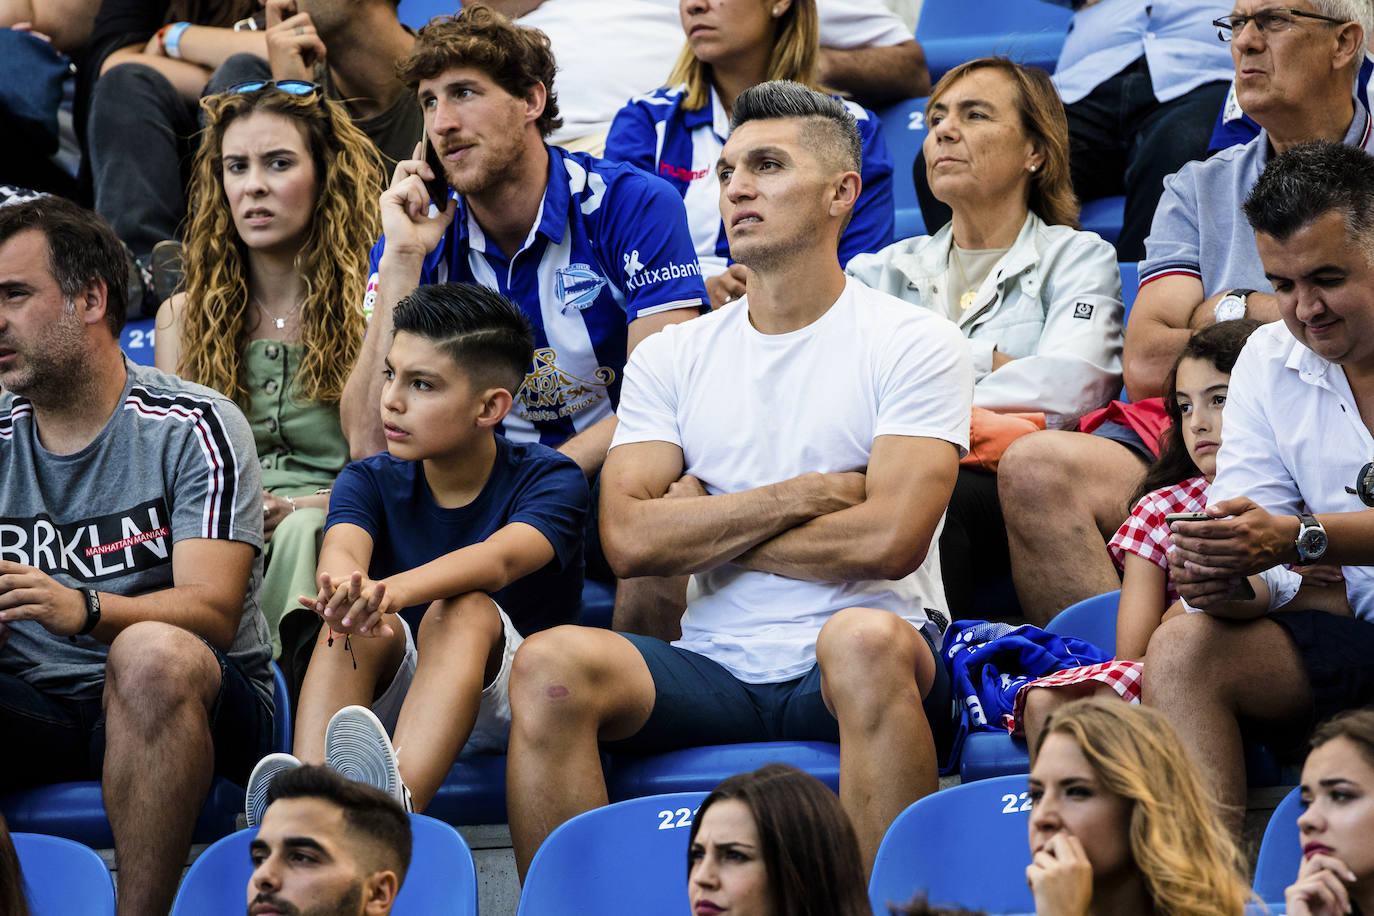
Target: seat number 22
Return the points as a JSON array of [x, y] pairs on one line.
[[1009, 803]]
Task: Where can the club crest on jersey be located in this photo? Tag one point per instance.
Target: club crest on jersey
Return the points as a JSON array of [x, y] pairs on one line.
[[578, 286]]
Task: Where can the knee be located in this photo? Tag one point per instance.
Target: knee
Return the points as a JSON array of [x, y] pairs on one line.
[[126, 81], [153, 667], [858, 642], [1037, 466], [474, 613], [552, 670]]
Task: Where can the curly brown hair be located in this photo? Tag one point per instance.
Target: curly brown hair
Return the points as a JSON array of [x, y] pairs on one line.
[[515, 57], [332, 259]]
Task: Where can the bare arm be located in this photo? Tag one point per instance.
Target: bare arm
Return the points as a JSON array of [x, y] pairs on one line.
[[1141, 609], [210, 47], [410, 235], [877, 76], [588, 448], [66, 22], [1166, 313], [645, 534], [210, 579], [167, 336], [886, 536]]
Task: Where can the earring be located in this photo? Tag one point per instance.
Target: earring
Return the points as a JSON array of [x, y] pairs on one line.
[[1034, 167], [777, 11]]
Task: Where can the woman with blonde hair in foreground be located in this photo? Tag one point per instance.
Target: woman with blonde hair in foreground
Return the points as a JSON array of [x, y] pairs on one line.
[[1120, 823]]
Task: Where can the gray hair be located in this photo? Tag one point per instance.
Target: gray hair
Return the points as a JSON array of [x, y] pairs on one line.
[[786, 99], [1358, 11]]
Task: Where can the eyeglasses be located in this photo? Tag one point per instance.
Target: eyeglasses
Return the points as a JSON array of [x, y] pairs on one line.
[[1279, 19], [294, 87]]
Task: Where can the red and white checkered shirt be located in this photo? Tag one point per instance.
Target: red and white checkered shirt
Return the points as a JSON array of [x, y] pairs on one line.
[[1144, 532], [1121, 676]]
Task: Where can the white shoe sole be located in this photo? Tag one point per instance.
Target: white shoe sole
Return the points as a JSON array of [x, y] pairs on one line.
[[267, 769], [356, 745]]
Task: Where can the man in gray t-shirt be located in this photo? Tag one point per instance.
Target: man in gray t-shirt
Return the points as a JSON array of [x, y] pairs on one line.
[[132, 647]]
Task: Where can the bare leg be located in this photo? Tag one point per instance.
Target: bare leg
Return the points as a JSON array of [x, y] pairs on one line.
[[1063, 496], [871, 664], [331, 682], [650, 606], [1041, 701], [570, 686], [1204, 673], [459, 651], [160, 685]]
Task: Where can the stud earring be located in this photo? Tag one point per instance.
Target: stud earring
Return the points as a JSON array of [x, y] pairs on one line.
[[777, 11]]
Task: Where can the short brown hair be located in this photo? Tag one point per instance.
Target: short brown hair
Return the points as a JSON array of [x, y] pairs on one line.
[[515, 57], [1043, 119]]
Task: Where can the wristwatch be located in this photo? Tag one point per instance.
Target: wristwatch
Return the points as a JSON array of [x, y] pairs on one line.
[[1232, 305], [1311, 540], [92, 612]]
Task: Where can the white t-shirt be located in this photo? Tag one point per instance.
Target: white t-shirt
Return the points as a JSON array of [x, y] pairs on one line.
[[611, 50], [751, 409]]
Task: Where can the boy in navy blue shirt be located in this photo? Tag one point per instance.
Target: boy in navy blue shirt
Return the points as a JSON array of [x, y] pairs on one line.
[[438, 555]]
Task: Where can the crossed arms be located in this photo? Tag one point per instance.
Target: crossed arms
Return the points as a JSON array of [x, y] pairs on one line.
[[877, 524]]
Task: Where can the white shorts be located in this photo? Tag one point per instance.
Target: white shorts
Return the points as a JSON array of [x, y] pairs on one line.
[[491, 731]]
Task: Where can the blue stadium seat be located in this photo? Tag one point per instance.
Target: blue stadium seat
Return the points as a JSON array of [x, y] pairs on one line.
[[1280, 851], [1093, 619], [441, 881], [628, 857], [62, 877], [137, 341], [1103, 216], [75, 810], [904, 126], [1130, 281], [952, 32], [598, 604], [965, 845], [473, 793], [701, 769], [416, 13]]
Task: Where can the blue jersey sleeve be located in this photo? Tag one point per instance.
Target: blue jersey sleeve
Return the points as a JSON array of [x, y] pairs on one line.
[[357, 500], [554, 501], [872, 225], [632, 137], [648, 246]]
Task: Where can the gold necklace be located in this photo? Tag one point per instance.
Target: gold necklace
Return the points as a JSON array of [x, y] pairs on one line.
[[966, 300]]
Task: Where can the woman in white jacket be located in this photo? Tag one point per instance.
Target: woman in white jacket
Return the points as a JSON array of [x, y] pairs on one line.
[[1038, 299]]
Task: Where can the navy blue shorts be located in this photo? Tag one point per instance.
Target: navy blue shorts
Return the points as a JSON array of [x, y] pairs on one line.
[[698, 701], [63, 739], [1338, 655]]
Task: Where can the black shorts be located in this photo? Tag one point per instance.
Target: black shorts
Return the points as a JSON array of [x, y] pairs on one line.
[[698, 701], [1337, 654]]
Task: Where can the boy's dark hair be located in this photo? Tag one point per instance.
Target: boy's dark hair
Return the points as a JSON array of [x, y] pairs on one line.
[[1220, 345], [513, 56], [1309, 181], [829, 130], [369, 812], [482, 331], [81, 247]]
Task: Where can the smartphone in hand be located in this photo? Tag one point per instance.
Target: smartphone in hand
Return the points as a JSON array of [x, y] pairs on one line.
[[1242, 592], [437, 186]]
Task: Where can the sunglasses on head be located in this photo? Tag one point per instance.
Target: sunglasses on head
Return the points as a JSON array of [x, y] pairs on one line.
[[294, 87]]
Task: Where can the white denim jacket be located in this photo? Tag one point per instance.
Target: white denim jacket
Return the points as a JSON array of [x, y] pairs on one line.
[[1052, 303]]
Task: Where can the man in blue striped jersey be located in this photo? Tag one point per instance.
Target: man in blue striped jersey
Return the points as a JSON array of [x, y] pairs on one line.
[[598, 255], [132, 646]]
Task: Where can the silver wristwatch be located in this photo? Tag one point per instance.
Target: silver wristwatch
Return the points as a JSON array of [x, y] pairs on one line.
[[1232, 305], [1311, 540]]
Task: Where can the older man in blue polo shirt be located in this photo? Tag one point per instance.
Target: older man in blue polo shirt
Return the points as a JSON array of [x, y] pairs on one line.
[[597, 255]]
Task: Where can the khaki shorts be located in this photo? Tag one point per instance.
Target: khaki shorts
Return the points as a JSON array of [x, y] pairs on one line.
[[491, 732]]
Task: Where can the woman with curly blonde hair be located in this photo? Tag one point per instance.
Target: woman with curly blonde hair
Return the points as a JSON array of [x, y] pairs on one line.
[[283, 212], [1120, 823]]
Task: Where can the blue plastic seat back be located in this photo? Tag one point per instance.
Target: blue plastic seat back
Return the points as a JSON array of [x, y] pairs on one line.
[[965, 845], [1130, 280], [137, 340], [952, 32], [986, 755], [904, 125], [1280, 851], [441, 881], [628, 857], [63, 877], [1093, 619], [701, 769], [1104, 216], [416, 13]]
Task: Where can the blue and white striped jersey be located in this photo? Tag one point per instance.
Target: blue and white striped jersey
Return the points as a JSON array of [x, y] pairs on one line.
[[655, 133], [611, 245]]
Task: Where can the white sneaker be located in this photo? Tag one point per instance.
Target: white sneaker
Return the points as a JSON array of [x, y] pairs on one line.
[[357, 746], [255, 799]]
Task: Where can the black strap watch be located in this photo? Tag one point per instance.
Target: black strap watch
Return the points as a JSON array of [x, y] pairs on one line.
[[92, 612], [1311, 540]]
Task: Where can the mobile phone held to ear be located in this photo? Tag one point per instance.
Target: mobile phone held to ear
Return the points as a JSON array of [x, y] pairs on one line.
[[438, 185]]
